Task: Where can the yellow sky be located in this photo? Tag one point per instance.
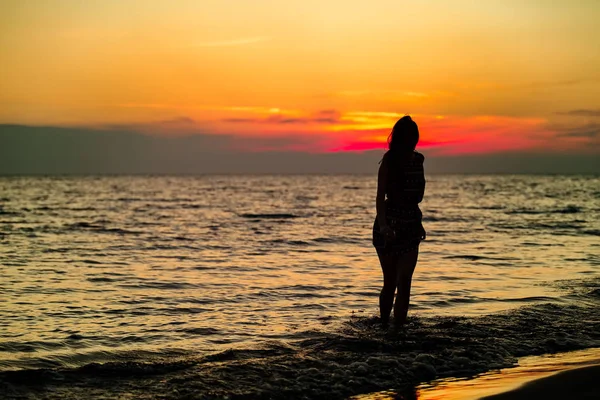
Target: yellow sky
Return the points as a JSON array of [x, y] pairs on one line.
[[122, 61]]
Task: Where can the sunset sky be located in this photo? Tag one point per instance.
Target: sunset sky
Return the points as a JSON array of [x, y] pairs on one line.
[[310, 76]]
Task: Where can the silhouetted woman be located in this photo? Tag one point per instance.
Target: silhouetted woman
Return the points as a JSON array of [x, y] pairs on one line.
[[398, 231]]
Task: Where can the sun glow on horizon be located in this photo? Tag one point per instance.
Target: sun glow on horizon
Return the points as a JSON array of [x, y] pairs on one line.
[[478, 77]]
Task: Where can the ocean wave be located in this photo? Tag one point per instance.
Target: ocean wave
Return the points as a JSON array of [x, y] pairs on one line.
[[159, 285], [99, 227], [554, 228], [269, 216], [431, 218], [356, 357], [9, 213], [289, 242], [474, 257], [593, 232], [338, 240], [570, 209]]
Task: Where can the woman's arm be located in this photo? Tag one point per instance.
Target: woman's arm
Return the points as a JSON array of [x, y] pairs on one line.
[[382, 177], [421, 178]]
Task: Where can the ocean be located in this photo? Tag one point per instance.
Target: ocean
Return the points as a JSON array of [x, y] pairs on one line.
[[267, 286]]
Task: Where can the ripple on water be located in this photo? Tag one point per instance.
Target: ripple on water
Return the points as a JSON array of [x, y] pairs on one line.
[[207, 263]]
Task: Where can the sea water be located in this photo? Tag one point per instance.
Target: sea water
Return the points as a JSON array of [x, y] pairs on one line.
[[138, 273]]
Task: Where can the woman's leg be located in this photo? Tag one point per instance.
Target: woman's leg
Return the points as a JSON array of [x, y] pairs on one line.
[[406, 264], [388, 263]]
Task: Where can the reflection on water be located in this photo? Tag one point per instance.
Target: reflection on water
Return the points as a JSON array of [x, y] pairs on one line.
[[95, 267]]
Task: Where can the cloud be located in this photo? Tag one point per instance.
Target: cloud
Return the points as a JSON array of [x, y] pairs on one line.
[[174, 126], [362, 130], [393, 93], [566, 82], [179, 141], [583, 131], [147, 105], [581, 113], [242, 120], [376, 114], [56, 150], [527, 85], [276, 117], [233, 42]]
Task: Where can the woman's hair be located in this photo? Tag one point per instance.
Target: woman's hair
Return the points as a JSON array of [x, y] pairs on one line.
[[404, 136]]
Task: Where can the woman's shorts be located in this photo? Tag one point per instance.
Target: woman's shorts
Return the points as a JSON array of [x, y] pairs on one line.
[[406, 222]]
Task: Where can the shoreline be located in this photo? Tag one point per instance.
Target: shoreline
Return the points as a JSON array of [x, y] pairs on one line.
[[574, 374], [581, 382], [353, 358]]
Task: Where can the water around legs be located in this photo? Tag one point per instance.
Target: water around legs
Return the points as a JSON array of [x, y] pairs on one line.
[[397, 276]]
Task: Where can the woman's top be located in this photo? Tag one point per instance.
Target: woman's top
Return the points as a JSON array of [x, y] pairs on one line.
[[406, 181], [404, 191]]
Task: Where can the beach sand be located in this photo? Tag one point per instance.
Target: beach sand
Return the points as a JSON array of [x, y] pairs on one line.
[[579, 383], [572, 375]]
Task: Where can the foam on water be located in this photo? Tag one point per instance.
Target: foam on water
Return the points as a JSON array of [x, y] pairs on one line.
[[356, 357]]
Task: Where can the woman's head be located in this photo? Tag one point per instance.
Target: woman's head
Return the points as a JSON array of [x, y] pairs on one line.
[[404, 136]]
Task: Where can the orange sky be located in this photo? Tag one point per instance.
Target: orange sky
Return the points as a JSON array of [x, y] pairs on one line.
[[476, 76]]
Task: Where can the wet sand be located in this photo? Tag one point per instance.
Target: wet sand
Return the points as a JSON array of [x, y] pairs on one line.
[[579, 383], [571, 375]]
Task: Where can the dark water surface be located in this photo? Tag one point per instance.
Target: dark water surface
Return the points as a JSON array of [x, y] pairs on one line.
[[217, 278]]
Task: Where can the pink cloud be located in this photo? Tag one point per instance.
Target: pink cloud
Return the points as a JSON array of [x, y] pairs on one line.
[[358, 131]]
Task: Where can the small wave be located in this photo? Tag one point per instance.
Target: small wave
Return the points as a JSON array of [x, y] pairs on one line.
[[430, 218], [559, 228], [81, 209], [200, 331], [467, 257], [91, 262], [8, 213], [121, 231], [102, 279], [289, 242], [594, 293], [296, 295], [170, 247], [570, 209], [204, 267], [307, 198], [533, 299], [159, 285], [474, 257], [85, 225], [99, 227], [269, 216], [534, 244], [184, 239], [193, 206], [76, 336], [29, 347], [593, 232], [454, 301], [338, 240], [125, 199], [487, 208], [179, 310], [57, 250], [358, 357], [315, 288]]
